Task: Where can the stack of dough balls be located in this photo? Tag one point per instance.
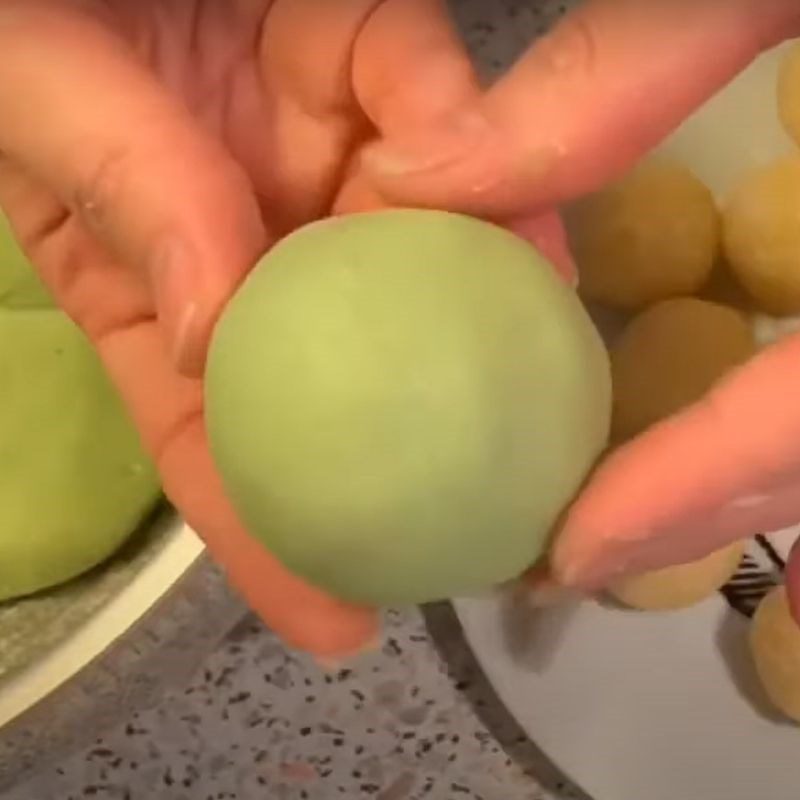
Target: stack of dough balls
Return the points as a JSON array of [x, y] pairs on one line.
[[655, 246], [74, 479]]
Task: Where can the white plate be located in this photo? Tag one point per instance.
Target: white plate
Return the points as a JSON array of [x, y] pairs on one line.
[[33, 684], [633, 706]]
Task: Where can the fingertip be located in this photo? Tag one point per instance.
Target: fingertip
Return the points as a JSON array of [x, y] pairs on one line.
[[547, 234], [193, 277], [342, 635], [303, 616], [341, 656]]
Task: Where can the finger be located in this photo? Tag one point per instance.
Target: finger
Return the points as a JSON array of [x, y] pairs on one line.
[[313, 115], [74, 265], [355, 77], [409, 70], [722, 470], [610, 82], [129, 161], [547, 234], [167, 408], [410, 67]]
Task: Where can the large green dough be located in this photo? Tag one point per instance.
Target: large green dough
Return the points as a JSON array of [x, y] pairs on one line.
[[402, 403], [20, 286], [74, 480]]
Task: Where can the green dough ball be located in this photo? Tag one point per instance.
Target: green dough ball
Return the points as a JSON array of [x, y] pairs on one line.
[[74, 480], [20, 286], [401, 404]]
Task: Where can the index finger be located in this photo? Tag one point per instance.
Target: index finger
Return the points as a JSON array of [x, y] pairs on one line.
[[612, 80]]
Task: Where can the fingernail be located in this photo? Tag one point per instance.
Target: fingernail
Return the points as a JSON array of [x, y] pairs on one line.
[[173, 276], [182, 339], [749, 501], [461, 134]]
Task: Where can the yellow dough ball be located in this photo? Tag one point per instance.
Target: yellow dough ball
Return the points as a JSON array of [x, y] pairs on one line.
[[775, 647], [653, 235], [680, 586], [722, 287], [761, 236], [669, 357], [789, 93]]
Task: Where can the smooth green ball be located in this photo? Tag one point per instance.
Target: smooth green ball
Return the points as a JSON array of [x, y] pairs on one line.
[[74, 479], [402, 403]]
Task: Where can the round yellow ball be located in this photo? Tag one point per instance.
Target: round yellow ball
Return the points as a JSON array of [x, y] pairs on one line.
[[775, 647], [669, 356], [652, 235], [761, 236], [680, 586]]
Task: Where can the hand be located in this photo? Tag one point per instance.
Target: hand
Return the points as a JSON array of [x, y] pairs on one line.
[[614, 79], [152, 151], [198, 138]]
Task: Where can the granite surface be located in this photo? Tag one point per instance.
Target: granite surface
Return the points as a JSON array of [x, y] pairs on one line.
[[414, 720], [411, 721]]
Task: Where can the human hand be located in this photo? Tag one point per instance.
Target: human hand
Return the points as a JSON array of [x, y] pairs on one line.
[[152, 151], [584, 104], [233, 147]]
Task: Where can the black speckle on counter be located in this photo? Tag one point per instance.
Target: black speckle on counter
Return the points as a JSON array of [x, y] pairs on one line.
[[392, 648]]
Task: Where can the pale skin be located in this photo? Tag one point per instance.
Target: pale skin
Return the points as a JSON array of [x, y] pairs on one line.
[[151, 151]]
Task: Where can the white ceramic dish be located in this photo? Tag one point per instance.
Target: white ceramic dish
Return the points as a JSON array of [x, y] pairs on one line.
[[633, 706], [78, 660], [23, 689]]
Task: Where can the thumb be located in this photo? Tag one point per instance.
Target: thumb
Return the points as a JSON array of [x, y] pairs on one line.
[[612, 80], [88, 121], [722, 470]]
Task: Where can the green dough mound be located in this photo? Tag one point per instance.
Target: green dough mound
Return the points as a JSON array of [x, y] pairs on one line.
[[74, 479], [401, 404], [20, 286]]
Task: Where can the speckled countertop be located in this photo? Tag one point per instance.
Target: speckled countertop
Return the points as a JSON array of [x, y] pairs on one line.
[[415, 720], [412, 721]]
